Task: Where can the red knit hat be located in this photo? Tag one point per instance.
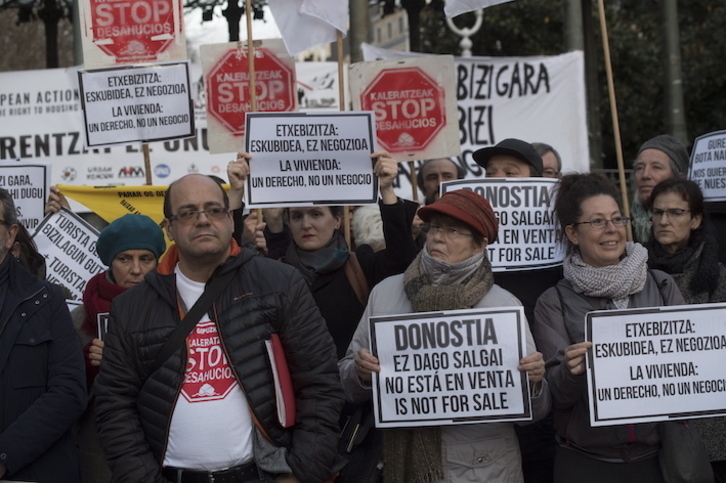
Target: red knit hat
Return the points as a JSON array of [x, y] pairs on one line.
[[467, 207]]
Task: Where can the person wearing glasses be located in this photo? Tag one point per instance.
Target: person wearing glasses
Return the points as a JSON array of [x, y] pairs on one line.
[[451, 272], [206, 409], [684, 246], [551, 160], [602, 271]]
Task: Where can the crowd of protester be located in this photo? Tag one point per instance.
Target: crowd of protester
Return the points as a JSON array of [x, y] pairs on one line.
[[279, 309]]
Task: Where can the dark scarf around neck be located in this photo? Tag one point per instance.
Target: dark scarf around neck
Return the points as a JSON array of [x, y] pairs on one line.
[[324, 260], [97, 297], [704, 278]]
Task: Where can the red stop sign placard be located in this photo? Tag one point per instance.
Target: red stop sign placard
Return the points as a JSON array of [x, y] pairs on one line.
[[410, 108], [228, 88], [134, 30]]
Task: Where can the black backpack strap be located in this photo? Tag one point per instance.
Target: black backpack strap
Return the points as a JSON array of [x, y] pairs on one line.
[[187, 324]]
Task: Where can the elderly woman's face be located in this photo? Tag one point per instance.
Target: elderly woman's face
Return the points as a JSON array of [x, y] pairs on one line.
[[312, 228], [599, 246], [651, 167], [129, 267], [672, 221], [451, 241]]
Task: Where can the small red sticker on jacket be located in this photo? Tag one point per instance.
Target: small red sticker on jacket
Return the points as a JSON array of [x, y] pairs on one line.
[[208, 376]]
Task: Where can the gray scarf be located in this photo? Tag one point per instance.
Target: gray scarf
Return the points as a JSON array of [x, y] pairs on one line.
[[615, 282], [640, 220], [414, 455]]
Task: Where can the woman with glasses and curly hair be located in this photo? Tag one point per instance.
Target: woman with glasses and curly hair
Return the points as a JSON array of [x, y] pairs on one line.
[[602, 271]]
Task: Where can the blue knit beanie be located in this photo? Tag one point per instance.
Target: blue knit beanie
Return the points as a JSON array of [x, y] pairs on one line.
[[130, 232]]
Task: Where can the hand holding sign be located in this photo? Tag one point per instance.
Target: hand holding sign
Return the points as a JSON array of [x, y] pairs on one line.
[[534, 366], [365, 364], [575, 357], [56, 201], [386, 169], [237, 173], [95, 352]]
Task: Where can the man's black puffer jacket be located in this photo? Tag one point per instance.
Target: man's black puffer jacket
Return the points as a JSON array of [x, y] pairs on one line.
[[134, 407]]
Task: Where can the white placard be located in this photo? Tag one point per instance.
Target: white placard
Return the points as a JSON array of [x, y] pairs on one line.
[[27, 184], [708, 165], [529, 235], [69, 245], [452, 367], [310, 159], [656, 364], [137, 103]]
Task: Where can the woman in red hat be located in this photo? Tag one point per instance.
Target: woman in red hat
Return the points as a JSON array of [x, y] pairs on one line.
[[452, 272]]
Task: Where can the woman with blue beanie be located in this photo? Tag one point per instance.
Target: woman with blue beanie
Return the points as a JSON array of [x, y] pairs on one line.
[[130, 247]]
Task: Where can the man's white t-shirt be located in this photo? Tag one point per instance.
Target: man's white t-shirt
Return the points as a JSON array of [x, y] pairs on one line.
[[211, 426]]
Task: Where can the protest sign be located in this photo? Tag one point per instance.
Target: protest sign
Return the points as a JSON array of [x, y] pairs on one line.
[[124, 104], [536, 99], [111, 202], [708, 165], [529, 236], [311, 158], [656, 364], [69, 246], [131, 31], [415, 105], [452, 367], [227, 82], [27, 184], [40, 121]]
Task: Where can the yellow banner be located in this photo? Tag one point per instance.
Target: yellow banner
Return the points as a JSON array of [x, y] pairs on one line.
[[111, 202]]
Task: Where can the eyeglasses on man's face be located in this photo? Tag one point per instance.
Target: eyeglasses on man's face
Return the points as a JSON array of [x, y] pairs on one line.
[[189, 216]]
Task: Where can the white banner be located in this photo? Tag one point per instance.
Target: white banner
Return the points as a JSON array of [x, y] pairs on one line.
[[69, 245], [453, 367], [136, 103], [708, 165], [306, 158], [528, 227], [41, 121], [28, 185], [656, 364], [536, 99]]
